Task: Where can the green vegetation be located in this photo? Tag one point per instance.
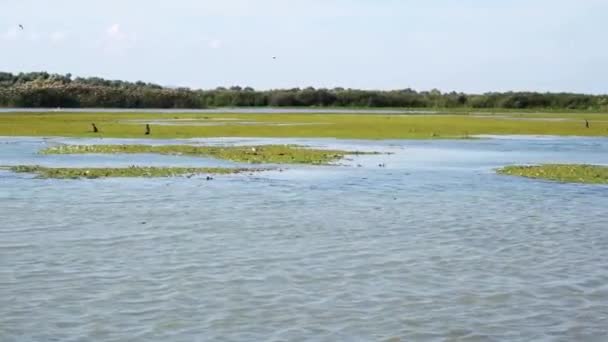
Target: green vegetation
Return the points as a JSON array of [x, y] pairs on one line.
[[571, 173], [344, 126], [276, 154], [41, 89], [133, 171]]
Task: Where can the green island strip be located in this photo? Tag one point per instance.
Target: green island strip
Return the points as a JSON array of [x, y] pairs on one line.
[[269, 154], [132, 171], [445, 124], [568, 173]]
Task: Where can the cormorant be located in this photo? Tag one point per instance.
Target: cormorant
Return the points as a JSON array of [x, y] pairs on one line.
[[586, 123], [147, 129], [95, 130]]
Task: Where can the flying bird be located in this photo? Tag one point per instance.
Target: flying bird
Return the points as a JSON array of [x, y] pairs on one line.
[[21, 26], [274, 57]]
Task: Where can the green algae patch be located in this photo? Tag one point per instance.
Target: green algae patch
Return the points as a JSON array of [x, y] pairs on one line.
[[568, 173], [269, 154], [132, 171]]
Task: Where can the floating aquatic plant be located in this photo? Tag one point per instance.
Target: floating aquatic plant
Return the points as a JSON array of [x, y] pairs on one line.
[[571, 173], [270, 154], [132, 171]]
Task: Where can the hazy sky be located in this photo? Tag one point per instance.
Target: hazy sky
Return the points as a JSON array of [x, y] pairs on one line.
[[462, 45]]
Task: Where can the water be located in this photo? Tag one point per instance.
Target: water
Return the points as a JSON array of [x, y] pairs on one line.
[[435, 246]]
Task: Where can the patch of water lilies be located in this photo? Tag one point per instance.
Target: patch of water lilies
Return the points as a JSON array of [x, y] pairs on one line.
[[132, 171], [273, 154], [571, 173]]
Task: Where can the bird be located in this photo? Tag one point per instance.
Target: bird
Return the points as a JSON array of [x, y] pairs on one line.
[[21, 26], [274, 57], [586, 123], [95, 130], [147, 129]]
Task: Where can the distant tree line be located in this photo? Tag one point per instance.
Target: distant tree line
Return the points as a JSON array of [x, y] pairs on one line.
[[41, 89]]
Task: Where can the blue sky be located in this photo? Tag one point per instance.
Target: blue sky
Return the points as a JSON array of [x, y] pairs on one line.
[[462, 45]]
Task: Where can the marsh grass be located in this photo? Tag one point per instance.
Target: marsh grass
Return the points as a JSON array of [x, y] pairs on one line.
[[133, 171], [345, 126], [570, 173], [269, 154]]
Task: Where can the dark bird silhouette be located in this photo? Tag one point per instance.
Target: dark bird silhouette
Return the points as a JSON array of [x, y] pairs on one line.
[[21, 26], [95, 130], [586, 123], [274, 57], [147, 129]]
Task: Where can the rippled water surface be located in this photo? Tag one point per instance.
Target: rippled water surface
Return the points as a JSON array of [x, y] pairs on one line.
[[435, 246]]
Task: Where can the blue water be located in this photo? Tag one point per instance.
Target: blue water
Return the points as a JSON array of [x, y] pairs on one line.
[[435, 246]]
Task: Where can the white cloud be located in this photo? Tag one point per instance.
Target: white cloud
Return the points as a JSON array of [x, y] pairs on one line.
[[214, 43], [11, 34], [113, 30], [117, 41], [116, 33], [14, 34], [58, 36], [34, 36]]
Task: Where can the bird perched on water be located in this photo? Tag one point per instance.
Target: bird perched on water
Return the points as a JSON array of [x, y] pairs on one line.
[[95, 130], [147, 129]]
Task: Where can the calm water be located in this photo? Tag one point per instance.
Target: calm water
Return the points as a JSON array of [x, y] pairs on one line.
[[433, 247]]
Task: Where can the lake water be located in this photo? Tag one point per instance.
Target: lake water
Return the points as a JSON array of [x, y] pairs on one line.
[[435, 246]]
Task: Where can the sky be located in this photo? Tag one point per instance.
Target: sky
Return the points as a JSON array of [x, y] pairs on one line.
[[472, 46]]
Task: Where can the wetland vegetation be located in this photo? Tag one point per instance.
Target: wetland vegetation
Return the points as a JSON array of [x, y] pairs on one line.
[[269, 154], [571, 173], [344, 126], [132, 171]]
